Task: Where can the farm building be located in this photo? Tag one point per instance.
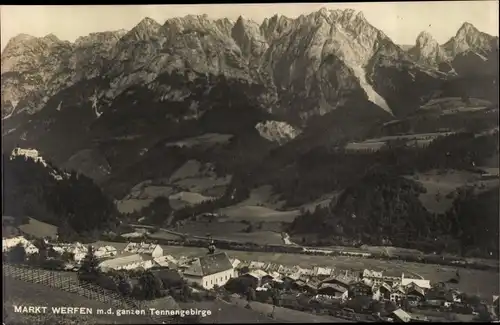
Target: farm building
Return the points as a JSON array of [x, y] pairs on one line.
[[167, 261], [374, 276], [210, 270], [105, 251], [385, 290], [401, 316], [364, 288], [334, 291], [144, 248], [343, 281], [415, 293], [422, 283], [235, 262], [128, 262], [257, 276], [256, 265], [321, 272], [397, 295], [31, 249]]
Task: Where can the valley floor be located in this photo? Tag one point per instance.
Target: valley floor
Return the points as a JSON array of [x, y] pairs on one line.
[[483, 283]]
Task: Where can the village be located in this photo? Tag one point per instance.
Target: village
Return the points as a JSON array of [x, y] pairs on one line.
[[359, 296]]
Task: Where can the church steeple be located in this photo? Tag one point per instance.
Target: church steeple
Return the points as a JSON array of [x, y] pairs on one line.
[[211, 246]]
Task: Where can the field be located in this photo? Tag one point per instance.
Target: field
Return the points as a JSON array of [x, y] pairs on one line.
[[225, 313], [289, 315], [191, 184], [263, 196], [439, 186], [233, 231], [257, 213], [449, 105], [39, 229], [206, 140], [324, 201], [183, 199], [18, 292], [419, 139]]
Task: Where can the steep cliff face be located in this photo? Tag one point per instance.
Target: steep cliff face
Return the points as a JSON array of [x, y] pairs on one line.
[[428, 51], [468, 37], [303, 59], [195, 69], [467, 49], [28, 65], [325, 54]]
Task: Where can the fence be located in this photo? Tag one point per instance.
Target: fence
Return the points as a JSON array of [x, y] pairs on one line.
[[91, 291]]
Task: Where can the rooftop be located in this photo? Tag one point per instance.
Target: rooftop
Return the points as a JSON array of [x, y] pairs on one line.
[[141, 248], [402, 315], [334, 286], [340, 279], [209, 264], [258, 274], [124, 259], [372, 274]]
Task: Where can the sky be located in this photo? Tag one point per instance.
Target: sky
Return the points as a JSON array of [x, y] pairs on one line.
[[401, 21]]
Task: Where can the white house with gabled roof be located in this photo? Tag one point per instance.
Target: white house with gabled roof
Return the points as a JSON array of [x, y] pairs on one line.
[[210, 270]]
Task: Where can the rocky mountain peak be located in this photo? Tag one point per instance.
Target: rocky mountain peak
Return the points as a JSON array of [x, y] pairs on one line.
[[468, 37], [425, 38], [273, 27], [16, 40], [144, 30], [427, 50], [51, 38], [100, 37], [466, 28], [247, 34]]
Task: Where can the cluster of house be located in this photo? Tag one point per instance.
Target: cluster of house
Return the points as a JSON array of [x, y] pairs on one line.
[[10, 243], [327, 282], [216, 269]]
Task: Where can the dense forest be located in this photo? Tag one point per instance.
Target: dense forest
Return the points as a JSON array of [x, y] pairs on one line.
[[384, 209], [73, 202], [326, 169]]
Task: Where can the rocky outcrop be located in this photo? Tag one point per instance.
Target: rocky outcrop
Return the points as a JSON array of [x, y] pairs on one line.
[[191, 69], [277, 131], [325, 54], [468, 48], [428, 51], [469, 37]]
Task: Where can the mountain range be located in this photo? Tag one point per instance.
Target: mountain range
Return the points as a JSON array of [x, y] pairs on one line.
[[130, 109]]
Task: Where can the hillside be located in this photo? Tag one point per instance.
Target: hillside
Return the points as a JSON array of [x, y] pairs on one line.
[[385, 210], [73, 202], [257, 123]]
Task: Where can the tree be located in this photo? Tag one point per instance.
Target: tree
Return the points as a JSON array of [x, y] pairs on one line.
[[239, 285], [68, 256], [89, 271], [124, 286], [17, 254], [151, 285], [250, 296], [275, 299]]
